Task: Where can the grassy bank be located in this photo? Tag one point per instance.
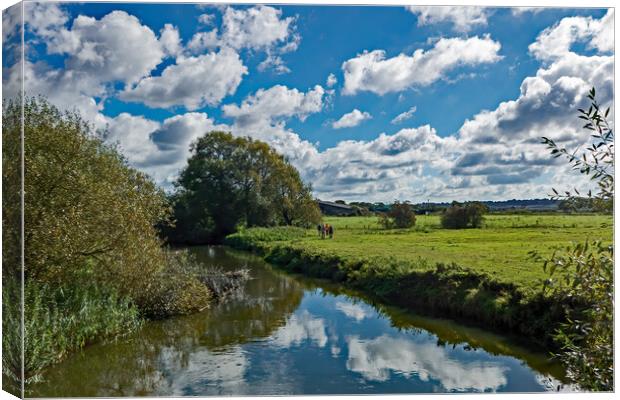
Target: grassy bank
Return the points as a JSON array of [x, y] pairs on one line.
[[482, 275]]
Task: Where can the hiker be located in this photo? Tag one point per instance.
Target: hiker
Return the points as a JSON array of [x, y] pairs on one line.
[[319, 228], [323, 229], [331, 232]]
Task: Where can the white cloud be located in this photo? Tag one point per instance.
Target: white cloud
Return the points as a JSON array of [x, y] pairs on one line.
[[349, 120], [202, 41], [11, 24], [159, 149], [170, 40], [68, 90], [206, 19], [371, 71], [556, 41], [43, 18], [402, 117], [259, 28], [115, 48], [519, 11], [275, 63], [192, 82], [269, 105], [331, 80], [502, 148], [464, 18], [496, 153], [255, 28], [132, 134]]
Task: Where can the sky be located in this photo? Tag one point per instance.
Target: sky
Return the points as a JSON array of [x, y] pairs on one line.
[[370, 103]]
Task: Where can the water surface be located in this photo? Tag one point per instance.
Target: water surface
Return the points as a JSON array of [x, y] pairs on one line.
[[293, 335]]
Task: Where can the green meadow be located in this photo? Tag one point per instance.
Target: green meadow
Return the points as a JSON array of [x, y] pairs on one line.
[[500, 248]]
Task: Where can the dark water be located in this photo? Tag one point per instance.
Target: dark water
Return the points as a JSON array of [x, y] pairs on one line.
[[292, 335]]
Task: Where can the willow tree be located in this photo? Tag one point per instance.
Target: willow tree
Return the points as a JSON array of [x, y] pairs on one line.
[[237, 181]]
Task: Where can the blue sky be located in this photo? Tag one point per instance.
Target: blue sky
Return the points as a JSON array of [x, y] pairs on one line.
[[464, 81]]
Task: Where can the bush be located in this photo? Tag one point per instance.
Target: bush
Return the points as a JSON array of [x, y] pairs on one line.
[[585, 272], [399, 216], [469, 215]]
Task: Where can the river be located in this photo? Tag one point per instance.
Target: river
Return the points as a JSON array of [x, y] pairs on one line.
[[288, 334]]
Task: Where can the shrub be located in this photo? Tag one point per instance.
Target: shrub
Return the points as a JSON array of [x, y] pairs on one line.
[[399, 216], [469, 215]]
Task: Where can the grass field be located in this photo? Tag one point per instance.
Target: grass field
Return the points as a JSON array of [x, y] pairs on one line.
[[484, 275], [500, 248]]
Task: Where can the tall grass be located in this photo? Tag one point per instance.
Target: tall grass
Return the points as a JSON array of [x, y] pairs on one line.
[[58, 320]]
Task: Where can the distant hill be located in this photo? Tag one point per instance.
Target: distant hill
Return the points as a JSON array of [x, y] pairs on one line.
[[529, 204], [503, 205]]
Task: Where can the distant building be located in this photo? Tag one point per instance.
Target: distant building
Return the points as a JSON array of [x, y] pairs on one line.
[[330, 208]]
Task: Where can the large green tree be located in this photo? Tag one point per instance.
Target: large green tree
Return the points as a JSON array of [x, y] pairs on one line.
[[237, 181]]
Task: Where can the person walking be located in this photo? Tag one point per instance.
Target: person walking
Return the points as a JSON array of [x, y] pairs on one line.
[[331, 232], [323, 228], [319, 228]]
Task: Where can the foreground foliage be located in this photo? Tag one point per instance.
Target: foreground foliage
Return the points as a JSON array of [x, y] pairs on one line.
[[95, 265], [584, 270]]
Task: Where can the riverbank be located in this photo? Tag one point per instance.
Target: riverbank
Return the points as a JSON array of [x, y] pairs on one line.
[[502, 300]]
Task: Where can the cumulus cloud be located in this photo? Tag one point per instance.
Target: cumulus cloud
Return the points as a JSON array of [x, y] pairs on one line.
[[159, 149], [68, 90], [116, 47], [202, 41], [192, 82], [259, 28], [170, 40], [269, 105], [206, 19], [255, 28], [502, 146], [463, 18], [349, 120], [275, 63], [44, 19], [556, 41], [372, 71], [404, 116], [331, 80], [495, 154]]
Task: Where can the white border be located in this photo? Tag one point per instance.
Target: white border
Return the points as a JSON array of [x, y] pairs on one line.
[[497, 3]]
